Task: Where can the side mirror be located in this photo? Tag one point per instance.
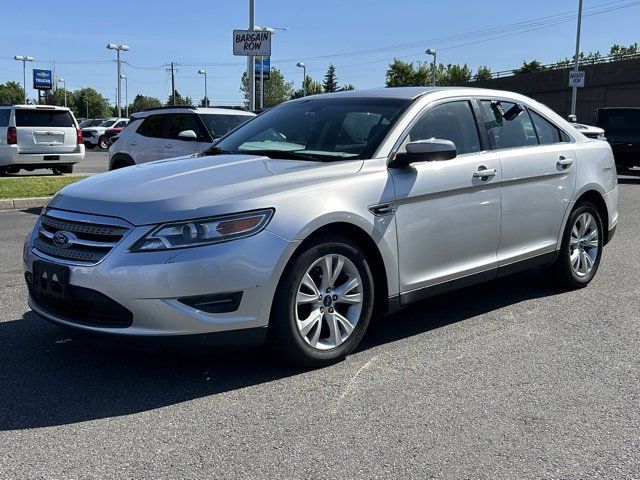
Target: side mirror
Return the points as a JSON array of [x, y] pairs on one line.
[[188, 135], [434, 149]]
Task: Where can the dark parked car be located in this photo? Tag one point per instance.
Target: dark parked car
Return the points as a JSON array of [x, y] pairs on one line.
[[622, 128]]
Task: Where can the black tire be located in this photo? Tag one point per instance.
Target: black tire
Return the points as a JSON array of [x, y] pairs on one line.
[[66, 169], [89, 146], [120, 161], [103, 143], [57, 170], [560, 272], [285, 339], [3, 172]]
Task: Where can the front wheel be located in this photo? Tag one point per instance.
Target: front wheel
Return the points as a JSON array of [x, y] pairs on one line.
[[103, 143], [579, 256], [323, 304]]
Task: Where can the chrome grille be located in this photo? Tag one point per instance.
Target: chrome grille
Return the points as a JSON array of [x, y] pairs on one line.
[[93, 237]]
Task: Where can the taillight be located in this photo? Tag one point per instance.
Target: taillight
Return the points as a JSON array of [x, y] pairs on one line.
[[79, 139], [12, 136]]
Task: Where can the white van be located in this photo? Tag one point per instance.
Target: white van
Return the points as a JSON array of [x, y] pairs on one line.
[[39, 136]]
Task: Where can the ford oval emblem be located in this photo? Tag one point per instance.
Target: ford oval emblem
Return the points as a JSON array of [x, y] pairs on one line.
[[64, 239]]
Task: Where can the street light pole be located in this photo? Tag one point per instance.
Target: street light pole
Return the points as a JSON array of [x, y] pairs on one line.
[[431, 51], [118, 48], [576, 64], [24, 59], [304, 77], [206, 97], [64, 86], [126, 93]]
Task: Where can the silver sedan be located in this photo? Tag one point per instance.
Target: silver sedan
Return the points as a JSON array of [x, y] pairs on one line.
[[298, 227]]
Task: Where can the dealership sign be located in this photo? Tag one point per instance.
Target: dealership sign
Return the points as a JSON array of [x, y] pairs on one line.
[[576, 78], [252, 43], [42, 79], [265, 63]]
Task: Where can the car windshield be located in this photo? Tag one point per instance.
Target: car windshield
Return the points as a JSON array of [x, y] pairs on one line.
[[107, 123], [622, 120], [333, 128], [220, 125]]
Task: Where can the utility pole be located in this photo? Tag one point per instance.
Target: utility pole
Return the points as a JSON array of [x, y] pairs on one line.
[[24, 59], [251, 74], [576, 64], [118, 48], [173, 86]]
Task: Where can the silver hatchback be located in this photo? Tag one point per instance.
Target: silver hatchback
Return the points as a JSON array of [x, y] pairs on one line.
[[300, 225]]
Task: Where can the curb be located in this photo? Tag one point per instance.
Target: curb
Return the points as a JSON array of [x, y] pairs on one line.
[[23, 203]]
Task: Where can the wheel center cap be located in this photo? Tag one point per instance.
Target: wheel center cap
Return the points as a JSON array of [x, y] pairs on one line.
[[327, 301]]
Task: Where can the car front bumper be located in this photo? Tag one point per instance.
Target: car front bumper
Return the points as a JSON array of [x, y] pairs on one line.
[[153, 286]]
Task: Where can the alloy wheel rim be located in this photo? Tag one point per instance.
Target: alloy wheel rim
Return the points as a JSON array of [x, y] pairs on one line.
[[584, 245], [329, 302]]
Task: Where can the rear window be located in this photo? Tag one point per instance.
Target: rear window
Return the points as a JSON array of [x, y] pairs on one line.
[[43, 118], [4, 117], [220, 125], [619, 120]]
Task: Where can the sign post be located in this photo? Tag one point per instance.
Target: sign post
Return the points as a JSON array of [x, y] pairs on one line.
[[251, 43]]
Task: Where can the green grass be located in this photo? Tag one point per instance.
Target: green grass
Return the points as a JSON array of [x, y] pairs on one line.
[[25, 187]]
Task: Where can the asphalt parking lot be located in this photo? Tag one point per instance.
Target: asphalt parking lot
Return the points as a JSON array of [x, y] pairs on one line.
[[510, 379]]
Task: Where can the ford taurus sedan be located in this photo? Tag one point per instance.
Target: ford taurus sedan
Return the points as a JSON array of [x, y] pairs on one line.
[[298, 227]]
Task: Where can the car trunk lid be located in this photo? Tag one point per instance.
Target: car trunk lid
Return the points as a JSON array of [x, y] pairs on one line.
[[45, 131]]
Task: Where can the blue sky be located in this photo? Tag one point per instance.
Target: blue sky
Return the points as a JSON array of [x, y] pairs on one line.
[[197, 34]]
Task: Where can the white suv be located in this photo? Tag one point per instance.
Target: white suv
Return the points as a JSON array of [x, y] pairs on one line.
[[168, 132], [39, 136], [94, 136]]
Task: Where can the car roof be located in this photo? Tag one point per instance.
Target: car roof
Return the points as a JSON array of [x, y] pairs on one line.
[[206, 110], [36, 107]]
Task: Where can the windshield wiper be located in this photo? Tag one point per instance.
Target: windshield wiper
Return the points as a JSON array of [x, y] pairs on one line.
[[213, 151], [280, 154]]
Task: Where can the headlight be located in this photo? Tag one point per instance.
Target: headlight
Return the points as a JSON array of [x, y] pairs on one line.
[[205, 231]]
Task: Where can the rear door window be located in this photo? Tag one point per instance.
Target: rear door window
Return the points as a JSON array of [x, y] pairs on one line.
[[619, 120], [153, 126], [43, 118], [547, 132], [220, 125], [5, 113], [518, 132]]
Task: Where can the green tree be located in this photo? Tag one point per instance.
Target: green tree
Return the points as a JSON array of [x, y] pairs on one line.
[[276, 89], [483, 73], [205, 102], [180, 100], [11, 93], [405, 74], [529, 67], [346, 87], [142, 103], [330, 82], [454, 75], [56, 97], [90, 104], [311, 88], [618, 52]]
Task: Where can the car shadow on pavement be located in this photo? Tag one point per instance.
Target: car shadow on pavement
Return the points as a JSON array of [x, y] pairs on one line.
[[47, 378]]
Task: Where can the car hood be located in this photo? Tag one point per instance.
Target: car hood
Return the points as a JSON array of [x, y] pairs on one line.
[[193, 187]]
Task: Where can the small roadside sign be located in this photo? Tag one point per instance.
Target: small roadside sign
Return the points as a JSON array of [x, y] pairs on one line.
[[247, 43], [266, 64], [576, 79], [42, 79]]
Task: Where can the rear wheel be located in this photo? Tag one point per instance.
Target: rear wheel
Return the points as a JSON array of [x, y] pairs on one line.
[[579, 257], [323, 304], [103, 143]]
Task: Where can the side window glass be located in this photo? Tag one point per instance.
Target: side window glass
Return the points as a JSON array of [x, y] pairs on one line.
[[517, 132], [4, 117], [547, 132], [179, 122], [450, 121], [152, 126]]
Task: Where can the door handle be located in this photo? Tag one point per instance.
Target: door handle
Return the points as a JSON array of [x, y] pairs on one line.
[[168, 145], [485, 173], [564, 162], [133, 144]]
